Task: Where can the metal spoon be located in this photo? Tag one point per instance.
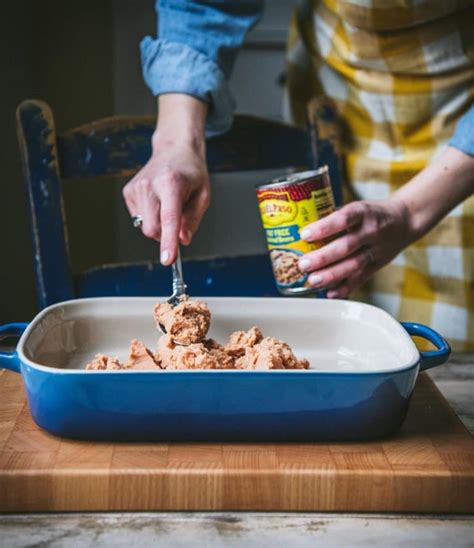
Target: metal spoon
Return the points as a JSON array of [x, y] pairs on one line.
[[179, 289]]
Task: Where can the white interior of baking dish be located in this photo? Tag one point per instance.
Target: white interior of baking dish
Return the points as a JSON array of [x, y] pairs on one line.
[[333, 335]]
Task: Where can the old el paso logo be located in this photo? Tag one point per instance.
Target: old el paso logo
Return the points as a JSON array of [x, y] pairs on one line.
[[277, 210]]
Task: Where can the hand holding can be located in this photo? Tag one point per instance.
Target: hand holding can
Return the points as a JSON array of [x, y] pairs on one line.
[[287, 205]]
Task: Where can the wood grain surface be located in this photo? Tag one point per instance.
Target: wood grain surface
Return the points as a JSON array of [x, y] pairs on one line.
[[427, 467]]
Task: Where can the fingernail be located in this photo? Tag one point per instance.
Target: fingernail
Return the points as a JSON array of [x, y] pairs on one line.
[[305, 234], [165, 257], [304, 264], [315, 280], [188, 236]]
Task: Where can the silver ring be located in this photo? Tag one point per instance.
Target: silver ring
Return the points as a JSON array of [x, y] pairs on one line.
[[370, 255], [137, 221]]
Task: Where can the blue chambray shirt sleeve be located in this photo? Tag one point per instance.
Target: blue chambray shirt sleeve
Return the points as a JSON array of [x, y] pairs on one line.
[[195, 51], [463, 138]]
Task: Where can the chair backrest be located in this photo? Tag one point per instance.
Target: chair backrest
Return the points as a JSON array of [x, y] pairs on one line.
[[120, 146]]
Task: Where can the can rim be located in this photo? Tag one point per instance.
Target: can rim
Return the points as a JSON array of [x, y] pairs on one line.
[[298, 177], [288, 291]]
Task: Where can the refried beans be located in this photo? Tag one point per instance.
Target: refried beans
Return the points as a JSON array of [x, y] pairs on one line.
[[188, 324], [285, 266]]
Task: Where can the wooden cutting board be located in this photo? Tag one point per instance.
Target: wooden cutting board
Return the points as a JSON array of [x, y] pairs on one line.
[[427, 467]]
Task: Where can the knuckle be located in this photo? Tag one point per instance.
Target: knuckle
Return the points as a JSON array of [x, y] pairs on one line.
[[169, 217], [317, 259], [144, 183], [127, 191], [361, 207], [347, 216], [331, 276], [355, 241], [371, 229], [309, 262], [359, 261], [353, 211], [378, 222], [151, 231], [319, 230], [344, 247], [206, 199], [170, 175]]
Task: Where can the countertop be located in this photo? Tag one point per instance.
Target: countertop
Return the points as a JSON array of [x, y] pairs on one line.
[[456, 382]]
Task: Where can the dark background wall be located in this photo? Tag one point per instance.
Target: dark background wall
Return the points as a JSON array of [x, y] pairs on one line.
[[82, 58], [61, 52]]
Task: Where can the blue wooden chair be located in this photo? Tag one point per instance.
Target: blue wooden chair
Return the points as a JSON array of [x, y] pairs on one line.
[[120, 146]]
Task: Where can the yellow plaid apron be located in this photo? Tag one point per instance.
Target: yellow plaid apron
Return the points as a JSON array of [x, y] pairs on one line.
[[401, 73]]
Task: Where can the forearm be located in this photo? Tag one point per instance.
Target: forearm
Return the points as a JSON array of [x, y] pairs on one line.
[[171, 192], [436, 190], [181, 122]]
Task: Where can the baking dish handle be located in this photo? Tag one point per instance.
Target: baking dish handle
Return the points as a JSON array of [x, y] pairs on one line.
[[10, 360], [431, 358]]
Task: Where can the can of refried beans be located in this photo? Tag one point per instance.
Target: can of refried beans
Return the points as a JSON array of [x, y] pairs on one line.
[[287, 204]]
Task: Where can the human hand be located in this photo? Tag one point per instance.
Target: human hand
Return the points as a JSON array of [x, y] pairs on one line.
[[368, 235], [171, 192]]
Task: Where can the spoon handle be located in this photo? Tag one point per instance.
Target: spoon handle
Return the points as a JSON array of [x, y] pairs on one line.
[[179, 287]]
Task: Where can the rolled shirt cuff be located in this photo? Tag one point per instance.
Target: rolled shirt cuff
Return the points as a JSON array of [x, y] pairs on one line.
[[463, 138], [173, 67]]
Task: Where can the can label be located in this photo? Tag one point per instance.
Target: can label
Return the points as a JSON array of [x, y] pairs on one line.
[[286, 206]]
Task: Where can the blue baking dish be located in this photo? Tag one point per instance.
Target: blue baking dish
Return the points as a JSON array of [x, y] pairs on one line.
[[364, 365]]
